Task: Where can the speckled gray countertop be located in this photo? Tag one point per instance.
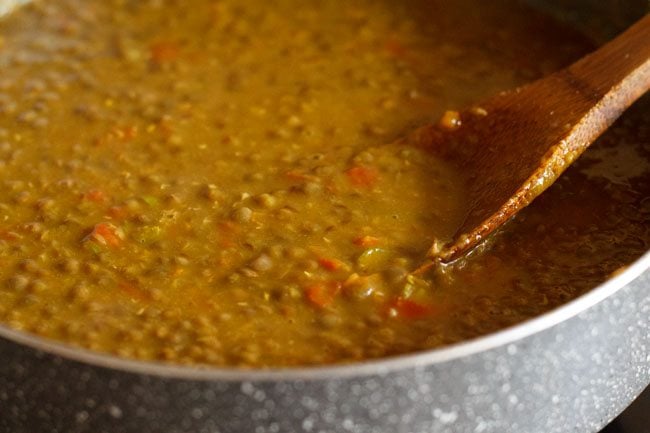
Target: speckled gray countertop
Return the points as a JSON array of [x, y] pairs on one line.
[[635, 419]]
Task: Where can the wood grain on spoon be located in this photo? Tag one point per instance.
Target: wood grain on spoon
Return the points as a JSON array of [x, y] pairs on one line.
[[516, 144]]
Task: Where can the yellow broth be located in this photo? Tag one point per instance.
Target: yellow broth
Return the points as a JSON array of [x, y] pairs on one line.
[[211, 182]]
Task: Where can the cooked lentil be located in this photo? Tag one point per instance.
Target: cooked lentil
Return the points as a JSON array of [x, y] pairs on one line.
[[210, 184]]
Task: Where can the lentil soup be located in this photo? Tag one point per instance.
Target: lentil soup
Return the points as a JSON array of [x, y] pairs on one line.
[[213, 185]]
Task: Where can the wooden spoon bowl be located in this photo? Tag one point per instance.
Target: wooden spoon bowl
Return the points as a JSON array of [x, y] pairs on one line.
[[517, 143]]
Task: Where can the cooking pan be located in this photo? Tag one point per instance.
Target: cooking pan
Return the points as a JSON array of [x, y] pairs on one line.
[[570, 370]]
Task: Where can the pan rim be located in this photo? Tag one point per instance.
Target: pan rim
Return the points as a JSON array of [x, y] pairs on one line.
[[380, 366]]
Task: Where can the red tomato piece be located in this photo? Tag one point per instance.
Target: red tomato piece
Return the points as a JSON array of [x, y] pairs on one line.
[[106, 234], [409, 309], [95, 195], [363, 176], [366, 241], [164, 52], [330, 264], [322, 295]]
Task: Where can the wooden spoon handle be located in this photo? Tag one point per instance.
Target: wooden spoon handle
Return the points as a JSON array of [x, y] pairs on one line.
[[620, 68]]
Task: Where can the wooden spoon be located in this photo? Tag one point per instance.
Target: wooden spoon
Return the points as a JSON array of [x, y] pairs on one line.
[[516, 144]]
